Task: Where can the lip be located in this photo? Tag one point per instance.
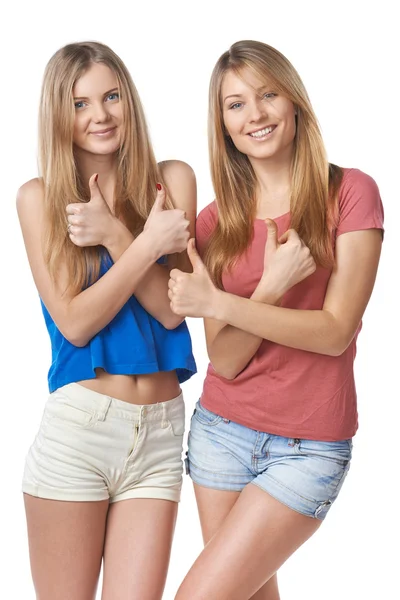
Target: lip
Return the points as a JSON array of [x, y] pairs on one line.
[[263, 127], [262, 138], [102, 132]]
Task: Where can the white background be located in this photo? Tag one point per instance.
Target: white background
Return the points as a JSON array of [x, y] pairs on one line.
[[348, 57]]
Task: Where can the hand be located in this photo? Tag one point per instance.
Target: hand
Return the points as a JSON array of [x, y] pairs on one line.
[[169, 229], [287, 261], [192, 294], [90, 223]]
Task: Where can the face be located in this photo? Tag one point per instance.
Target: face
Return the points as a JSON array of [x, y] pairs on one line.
[[260, 122], [98, 111]]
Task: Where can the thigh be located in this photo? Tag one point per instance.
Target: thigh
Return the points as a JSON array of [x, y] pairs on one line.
[[214, 506], [137, 548], [65, 546], [255, 539]]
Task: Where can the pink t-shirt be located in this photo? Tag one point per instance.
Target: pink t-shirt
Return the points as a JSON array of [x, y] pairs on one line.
[[285, 391]]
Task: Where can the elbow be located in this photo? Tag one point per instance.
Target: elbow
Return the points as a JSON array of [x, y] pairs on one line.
[[225, 372], [338, 346], [172, 321], [75, 337]]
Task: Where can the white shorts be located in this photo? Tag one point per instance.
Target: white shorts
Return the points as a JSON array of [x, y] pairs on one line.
[[93, 447]]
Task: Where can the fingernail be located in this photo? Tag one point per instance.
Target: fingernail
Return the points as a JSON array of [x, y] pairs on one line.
[[159, 186], [96, 177]]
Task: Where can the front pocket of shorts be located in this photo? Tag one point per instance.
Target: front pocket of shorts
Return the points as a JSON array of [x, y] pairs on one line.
[[339, 452], [205, 416], [58, 409]]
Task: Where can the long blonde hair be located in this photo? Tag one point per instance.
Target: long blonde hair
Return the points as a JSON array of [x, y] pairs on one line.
[[137, 171], [314, 182]]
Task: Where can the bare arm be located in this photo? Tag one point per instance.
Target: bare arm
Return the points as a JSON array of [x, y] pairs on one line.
[[152, 292], [286, 262], [93, 224], [80, 317], [328, 331], [229, 348]]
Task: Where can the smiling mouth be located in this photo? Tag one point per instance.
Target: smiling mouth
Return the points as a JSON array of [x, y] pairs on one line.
[[103, 131], [262, 133]]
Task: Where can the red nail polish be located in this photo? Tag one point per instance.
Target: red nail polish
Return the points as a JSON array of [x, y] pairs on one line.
[[96, 177], [159, 186]]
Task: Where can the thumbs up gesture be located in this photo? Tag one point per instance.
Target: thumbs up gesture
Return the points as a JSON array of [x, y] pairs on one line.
[[168, 229], [192, 294], [287, 260], [90, 223]]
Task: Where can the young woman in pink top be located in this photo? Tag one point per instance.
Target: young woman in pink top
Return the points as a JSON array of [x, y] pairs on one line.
[[278, 409]]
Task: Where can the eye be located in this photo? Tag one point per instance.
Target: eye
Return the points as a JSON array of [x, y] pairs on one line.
[[270, 95], [79, 104], [112, 96], [236, 105]]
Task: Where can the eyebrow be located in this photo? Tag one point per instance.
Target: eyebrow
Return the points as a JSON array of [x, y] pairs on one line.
[[105, 94], [260, 89]]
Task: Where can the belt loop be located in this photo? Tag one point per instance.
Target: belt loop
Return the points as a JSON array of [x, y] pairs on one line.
[[164, 418], [103, 409]]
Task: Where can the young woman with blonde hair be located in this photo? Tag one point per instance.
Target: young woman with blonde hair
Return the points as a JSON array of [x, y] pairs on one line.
[[102, 226], [271, 438]]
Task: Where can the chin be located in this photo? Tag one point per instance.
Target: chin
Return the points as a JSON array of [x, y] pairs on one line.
[[100, 149]]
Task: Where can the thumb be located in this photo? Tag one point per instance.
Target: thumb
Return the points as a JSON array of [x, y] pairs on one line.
[[95, 192], [272, 238], [159, 201], [194, 257]]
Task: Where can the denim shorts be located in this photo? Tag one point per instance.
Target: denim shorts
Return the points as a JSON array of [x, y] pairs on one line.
[[305, 475], [92, 447]]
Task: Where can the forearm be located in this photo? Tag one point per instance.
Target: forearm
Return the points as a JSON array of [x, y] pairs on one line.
[[232, 348], [312, 330], [91, 310], [152, 293]]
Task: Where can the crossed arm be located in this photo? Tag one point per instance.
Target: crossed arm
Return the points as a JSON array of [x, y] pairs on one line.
[[235, 326], [81, 317]]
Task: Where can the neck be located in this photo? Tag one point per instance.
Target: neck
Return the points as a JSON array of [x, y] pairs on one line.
[[273, 186]]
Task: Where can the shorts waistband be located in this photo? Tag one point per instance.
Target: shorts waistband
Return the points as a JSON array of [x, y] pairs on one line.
[[103, 405]]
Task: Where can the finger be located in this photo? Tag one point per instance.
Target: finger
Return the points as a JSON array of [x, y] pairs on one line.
[[159, 201], [175, 273], [75, 240], [291, 235], [74, 220], [95, 192], [272, 234], [73, 209], [194, 256]]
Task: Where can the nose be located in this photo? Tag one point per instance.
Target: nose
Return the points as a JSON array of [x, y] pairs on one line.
[[100, 113], [257, 110]]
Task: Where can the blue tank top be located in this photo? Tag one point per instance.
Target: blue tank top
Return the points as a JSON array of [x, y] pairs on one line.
[[133, 343]]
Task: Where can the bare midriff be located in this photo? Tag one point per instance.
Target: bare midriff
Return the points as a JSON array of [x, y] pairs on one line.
[[136, 389]]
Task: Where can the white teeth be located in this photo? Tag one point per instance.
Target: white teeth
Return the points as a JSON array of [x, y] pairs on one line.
[[262, 132]]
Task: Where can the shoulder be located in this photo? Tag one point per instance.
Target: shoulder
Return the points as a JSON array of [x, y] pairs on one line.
[[209, 214], [176, 168], [205, 223], [360, 204], [180, 181], [356, 180], [30, 195]]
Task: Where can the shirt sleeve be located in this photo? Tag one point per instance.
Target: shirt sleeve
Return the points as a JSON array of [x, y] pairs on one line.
[[360, 204], [205, 225]]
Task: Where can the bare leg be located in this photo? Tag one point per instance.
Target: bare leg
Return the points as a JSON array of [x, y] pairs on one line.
[[214, 506], [65, 546], [137, 549], [256, 538]]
